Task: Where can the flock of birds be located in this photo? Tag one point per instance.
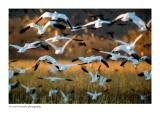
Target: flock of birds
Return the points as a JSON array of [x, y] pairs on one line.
[[62, 22]]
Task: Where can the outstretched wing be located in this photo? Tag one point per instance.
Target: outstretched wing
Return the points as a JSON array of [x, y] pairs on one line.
[[15, 46]]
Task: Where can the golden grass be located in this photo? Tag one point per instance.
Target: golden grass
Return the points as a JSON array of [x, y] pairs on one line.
[[117, 91]]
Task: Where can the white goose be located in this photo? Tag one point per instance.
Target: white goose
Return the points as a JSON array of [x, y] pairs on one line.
[[128, 47], [65, 97], [32, 25], [32, 91], [97, 23], [55, 16], [94, 77], [94, 95], [91, 59], [42, 29], [62, 67], [141, 96], [111, 55], [58, 38], [54, 79], [134, 61], [45, 58], [27, 46], [131, 16], [60, 50], [102, 80]]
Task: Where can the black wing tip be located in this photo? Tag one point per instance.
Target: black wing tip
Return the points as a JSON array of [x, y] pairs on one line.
[[68, 79], [123, 63], [24, 29], [40, 78], [75, 59], [108, 80], [36, 66], [141, 74], [38, 20], [135, 56], [84, 69], [105, 63]]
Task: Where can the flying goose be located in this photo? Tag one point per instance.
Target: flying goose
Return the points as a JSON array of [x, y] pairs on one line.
[[32, 45], [32, 91], [141, 96], [97, 23], [102, 80], [94, 95], [55, 16], [42, 29], [128, 47], [91, 59], [94, 77], [54, 79], [131, 16], [45, 58], [65, 96], [60, 50], [62, 67]]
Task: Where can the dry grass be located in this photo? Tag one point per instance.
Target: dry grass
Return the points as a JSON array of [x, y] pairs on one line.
[[115, 92]]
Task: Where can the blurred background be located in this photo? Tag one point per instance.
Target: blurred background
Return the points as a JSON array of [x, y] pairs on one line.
[[99, 39]]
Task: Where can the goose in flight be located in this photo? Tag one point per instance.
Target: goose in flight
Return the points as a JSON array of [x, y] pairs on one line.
[[13, 86], [32, 91], [53, 92], [45, 58], [62, 67], [32, 25], [54, 79], [94, 77], [18, 71], [102, 80], [32, 45], [42, 29], [60, 50], [111, 55], [136, 61], [91, 59], [58, 38], [65, 96], [131, 16], [94, 95], [63, 36], [128, 47], [55, 16], [141, 96], [145, 74], [97, 23]]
